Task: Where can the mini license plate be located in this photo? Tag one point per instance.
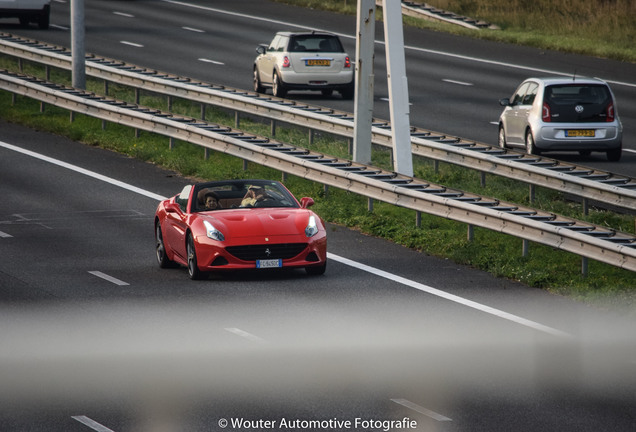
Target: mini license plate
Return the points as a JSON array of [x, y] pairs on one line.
[[271, 263], [317, 62], [579, 133]]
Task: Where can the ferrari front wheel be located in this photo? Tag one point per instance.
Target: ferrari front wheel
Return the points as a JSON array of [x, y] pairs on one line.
[[193, 266], [316, 270]]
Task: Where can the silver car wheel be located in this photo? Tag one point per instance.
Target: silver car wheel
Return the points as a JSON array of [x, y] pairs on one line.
[[258, 88], [278, 89], [502, 137], [531, 147]]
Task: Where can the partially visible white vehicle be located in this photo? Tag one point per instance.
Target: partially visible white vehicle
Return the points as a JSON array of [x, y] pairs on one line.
[[304, 61], [27, 11]]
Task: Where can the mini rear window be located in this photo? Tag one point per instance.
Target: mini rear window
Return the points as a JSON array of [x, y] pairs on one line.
[[315, 43]]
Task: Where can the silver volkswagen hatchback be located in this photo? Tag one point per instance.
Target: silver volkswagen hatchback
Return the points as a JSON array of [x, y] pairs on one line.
[[577, 114], [304, 61]]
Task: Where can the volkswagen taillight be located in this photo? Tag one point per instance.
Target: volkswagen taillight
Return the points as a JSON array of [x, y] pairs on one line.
[[285, 62], [610, 112], [347, 62], [545, 115]]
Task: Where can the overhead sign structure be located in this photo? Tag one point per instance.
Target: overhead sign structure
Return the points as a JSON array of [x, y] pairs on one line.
[[397, 82]]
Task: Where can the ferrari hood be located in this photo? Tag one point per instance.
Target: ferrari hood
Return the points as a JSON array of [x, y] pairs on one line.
[[250, 222]]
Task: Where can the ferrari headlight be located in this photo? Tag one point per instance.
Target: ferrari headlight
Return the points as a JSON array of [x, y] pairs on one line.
[[212, 232], [311, 229]]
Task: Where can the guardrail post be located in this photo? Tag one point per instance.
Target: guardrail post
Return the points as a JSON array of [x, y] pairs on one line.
[[311, 137], [169, 103], [370, 205], [418, 219], [470, 235], [436, 166], [203, 112], [137, 98], [171, 143], [586, 206], [20, 64], [584, 266], [237, 119], [482, 178], [42, 106], [283, 178], [206, 153], [272, 128], [105, 88], [244, 165], [47, 72], [531, 195], [525, 248]]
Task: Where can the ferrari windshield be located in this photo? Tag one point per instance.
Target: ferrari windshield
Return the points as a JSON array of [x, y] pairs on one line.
[[232, 194]]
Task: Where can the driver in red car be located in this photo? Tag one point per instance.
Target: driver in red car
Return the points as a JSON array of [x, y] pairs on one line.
[[253, 196]]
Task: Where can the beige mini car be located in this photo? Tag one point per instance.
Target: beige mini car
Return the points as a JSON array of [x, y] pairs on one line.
[[304, 61]]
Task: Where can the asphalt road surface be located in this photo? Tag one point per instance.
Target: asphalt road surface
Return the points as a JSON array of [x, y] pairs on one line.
[[454, 83], [97, 337]]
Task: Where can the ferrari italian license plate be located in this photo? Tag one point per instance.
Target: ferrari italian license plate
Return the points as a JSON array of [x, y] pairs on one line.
[[270, 263], [579, 133], [317, 62]]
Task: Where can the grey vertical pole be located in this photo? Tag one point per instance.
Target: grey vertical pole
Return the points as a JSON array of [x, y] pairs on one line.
[[364, 75], [78, 55], [398, 87]]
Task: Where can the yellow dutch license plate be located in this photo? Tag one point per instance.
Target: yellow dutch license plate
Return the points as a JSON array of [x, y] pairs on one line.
[[579, 133], [318, 62]]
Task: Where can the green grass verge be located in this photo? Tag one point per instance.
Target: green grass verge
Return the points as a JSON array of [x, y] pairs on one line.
[[499, 254], [605, 29]]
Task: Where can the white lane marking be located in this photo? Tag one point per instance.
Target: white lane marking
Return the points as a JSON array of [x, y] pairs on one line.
[[211, 61], [133, 44], [429, 51], [91, 424], [83, 171], [422, 410], [124, 14], [59, 27], [346, 261], [439, 293], [629, 150], [462, 83], [5, 235], [192, 29], [244, 334], [108, 278]]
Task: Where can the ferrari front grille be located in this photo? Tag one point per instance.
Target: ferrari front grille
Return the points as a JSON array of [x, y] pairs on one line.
[[266, 251]]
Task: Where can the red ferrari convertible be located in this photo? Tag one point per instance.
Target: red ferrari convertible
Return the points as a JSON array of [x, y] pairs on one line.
[[239, 224]]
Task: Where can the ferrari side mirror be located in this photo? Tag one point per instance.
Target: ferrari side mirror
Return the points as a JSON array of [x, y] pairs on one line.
[[306, 202]]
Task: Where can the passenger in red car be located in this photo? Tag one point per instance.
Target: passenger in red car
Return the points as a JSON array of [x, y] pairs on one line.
[[212, 201]]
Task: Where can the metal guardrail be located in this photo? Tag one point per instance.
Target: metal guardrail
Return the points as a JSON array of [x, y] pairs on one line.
[[585, 182], [580, 238], [425, 11]]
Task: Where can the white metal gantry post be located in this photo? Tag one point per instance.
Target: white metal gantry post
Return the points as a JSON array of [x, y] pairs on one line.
[[398, 87], [363, 109]]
